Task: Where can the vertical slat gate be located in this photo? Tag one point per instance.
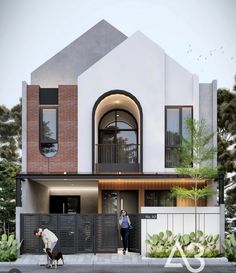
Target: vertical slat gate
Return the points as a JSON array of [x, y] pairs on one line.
[[77, 233], [134, 244], [47, 221], [67, 233], [105, 233], [85, 231], [29, 223]]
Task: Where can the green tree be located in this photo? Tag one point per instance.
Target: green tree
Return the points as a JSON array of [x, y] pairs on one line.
[[226, 100], [10, 145], [226, 132], [10, 133], [230, 201], [196, 154], [8, 172]]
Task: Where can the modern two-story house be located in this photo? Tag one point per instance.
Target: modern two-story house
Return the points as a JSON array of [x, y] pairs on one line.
[[102, 121]]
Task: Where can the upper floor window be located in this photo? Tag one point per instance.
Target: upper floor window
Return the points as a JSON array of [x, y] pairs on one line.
[[48, 131], [118, 138], [48, 96], [175, 130]]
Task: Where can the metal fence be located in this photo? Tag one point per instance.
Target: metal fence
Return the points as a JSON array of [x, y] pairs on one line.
[[117, 153], [78, 233]]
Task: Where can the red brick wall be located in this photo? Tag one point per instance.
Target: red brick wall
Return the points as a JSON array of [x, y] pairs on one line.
[[66, 158]]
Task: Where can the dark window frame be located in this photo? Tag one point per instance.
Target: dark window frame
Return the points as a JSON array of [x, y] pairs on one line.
[[117, 130], [54, 107], [180, 108], [52, 199], [157, 194], [48, 96]]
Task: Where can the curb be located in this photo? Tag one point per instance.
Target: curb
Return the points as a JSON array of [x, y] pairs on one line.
[[117, 261]]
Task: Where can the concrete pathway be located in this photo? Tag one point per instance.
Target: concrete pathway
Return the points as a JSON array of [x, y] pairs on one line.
[[110, 259], [112, 263]]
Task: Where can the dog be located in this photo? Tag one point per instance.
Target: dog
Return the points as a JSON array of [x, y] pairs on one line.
[[55, 257]]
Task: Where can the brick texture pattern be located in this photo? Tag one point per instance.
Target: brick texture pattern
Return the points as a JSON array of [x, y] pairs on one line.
[[66, 158]]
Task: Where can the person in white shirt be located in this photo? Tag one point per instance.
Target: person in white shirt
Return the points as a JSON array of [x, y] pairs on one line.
[[49, 240]]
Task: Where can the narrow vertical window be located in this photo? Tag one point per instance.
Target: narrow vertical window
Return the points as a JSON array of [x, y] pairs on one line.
[[48, 132], [175, 130]]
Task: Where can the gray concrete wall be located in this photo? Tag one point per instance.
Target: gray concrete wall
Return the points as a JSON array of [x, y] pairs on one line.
[[78, 56], [208, 112], [35, 197], [208, 109], [18, 212]]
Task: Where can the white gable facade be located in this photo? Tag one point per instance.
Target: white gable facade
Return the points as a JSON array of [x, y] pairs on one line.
[[142, 68]]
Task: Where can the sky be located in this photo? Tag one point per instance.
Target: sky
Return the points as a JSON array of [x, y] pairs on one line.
[[198, 34]]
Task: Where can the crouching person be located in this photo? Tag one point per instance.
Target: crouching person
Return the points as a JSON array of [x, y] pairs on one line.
[[49, 240]]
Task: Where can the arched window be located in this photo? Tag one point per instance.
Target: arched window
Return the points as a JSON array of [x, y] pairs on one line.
[[118, 138]]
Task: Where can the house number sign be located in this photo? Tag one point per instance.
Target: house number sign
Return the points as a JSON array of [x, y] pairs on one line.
[[148, 216]]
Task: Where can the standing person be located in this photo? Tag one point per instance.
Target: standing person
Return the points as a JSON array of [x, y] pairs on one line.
[[49, 240], [124, 222]]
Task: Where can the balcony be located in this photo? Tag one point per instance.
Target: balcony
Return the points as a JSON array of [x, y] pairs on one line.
[[117, 158]]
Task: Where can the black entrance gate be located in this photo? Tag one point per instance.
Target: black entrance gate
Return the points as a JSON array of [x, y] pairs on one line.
[[135, 234], [77, 233]]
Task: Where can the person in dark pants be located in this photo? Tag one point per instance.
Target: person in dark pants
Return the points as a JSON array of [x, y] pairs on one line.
[[124, 222]]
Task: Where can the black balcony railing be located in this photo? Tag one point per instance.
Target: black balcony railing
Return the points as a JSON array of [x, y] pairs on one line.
[[117, 157]]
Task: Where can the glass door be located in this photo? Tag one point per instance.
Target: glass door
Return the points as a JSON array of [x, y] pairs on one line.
[[114, 201]]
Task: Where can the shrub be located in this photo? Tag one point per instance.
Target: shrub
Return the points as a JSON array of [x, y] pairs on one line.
[[161, 244], [8, 248], [229, 246]]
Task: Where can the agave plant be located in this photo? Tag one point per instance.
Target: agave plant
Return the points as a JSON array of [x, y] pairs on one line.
[[8, 248]]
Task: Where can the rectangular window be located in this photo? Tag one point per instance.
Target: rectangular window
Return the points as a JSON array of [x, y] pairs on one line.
[[64, 204], [175, 130], [159, 198], [48, 125], [48, 96]]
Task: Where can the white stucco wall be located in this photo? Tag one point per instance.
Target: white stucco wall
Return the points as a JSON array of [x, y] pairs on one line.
[[130, 67], [142, 68], [180, 220], [178, 84]]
